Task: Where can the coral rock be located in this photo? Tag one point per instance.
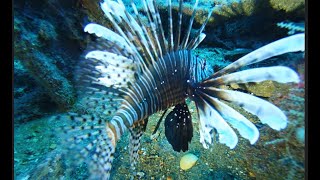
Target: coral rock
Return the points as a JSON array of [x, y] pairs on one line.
[[264, 89]]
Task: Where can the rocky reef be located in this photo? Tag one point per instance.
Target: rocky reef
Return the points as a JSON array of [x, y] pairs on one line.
[[48, 42]]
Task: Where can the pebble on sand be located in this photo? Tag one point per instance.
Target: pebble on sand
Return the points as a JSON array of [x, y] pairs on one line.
[[187, 161]]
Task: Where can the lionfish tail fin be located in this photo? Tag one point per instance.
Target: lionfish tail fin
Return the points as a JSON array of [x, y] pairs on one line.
[[89, 139]]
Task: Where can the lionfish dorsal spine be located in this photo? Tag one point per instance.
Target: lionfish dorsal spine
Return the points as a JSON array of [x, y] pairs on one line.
[[186, 37], [154, 47], [170, 32], [177, 37], [199, 36]]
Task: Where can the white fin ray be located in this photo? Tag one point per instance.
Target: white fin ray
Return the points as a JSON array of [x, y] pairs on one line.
[[177, 38], [292, 43], [101, 31], [170, 32], [132, 29], [149, 37], [123, 31], [245, 127], [153, 29], [199, 40], [186, 37], [279, 74], [157, 20], [135, 27], [136, 55], [267, 113], [119, 11], [113, 7], [210, 119], [115, 69]]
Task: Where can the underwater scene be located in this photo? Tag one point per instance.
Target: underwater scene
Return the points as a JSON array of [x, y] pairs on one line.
[[159, 89]]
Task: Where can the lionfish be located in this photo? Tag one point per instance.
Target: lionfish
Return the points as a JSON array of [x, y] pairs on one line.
[[146, 70]]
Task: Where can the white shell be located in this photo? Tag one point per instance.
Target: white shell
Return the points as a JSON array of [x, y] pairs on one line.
[[187, 161]]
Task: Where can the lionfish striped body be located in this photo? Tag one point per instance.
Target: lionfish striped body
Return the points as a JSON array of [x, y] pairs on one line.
[[147, 72]]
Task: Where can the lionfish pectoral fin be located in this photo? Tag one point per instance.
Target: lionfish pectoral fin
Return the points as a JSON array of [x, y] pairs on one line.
[[211, 121], [279, 74], [245, 127], [267, 113], [292, 43], [178, 127], [136, 131], [208, 97], [214, 113]]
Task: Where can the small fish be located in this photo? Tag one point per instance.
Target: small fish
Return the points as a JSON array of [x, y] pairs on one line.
[[140, 69]]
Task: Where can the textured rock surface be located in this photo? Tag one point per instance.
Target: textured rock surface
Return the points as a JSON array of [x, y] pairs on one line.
[[264, 89], [48, 76], [48, 41]]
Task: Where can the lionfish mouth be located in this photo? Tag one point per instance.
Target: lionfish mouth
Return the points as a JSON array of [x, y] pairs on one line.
[[137, 70]]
